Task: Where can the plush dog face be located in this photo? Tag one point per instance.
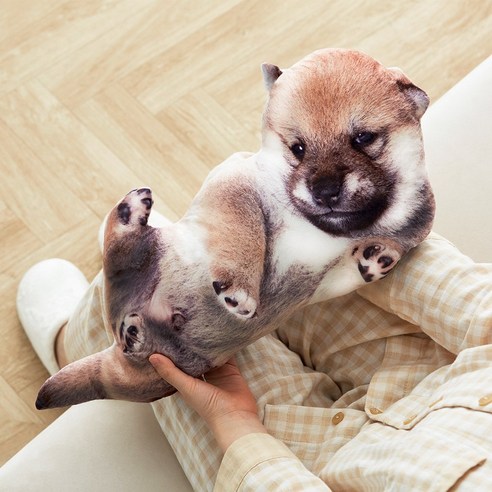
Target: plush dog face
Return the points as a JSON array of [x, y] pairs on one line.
[[348, 132]]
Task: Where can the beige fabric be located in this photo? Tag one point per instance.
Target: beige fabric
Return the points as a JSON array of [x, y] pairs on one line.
[[388, 388], [98, 446], [457, 130]]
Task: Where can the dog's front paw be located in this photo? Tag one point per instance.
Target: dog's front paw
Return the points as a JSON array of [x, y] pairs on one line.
[[134, 209], [237, 301], [376, 259]]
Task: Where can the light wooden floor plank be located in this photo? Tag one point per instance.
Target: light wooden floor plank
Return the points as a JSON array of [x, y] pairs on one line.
[[207, 128], [81, 163], [70, 26], [35, 196], [224, 43], [84, 72], [17, 238], [157, 158]]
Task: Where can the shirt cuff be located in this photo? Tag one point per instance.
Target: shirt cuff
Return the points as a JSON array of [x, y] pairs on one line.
[[246, 453]]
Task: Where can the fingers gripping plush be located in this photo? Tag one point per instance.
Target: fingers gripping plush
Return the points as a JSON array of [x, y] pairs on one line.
[[224, 401]]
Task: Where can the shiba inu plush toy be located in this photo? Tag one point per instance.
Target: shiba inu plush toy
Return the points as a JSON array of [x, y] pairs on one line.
[[337, 193]]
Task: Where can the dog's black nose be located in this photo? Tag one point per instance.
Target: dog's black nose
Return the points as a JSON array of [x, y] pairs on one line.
[[326, 192]]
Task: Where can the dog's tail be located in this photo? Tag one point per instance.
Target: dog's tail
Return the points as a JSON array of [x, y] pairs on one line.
[[104, 375]]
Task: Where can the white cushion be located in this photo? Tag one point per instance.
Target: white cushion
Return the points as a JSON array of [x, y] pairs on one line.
[[97, 446], [458, 138]]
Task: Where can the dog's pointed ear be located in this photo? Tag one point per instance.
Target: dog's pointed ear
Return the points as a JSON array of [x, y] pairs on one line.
[[418, 98], [105, 375], [77, 382], [270, 74]]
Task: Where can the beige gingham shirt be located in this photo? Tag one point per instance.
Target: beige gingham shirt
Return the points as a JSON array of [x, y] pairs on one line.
[[387, 388]]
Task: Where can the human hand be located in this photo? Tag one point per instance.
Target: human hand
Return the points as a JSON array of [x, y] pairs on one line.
[[224, 400]]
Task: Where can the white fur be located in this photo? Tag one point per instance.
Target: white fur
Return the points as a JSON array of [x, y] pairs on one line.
[[271, 154], [338, 281], [354, 183], [406, 157], [188, 245], [302, 192], [303, 243]]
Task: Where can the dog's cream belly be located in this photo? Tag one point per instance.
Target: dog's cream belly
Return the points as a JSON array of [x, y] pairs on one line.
[[189, 240], [300, 243]]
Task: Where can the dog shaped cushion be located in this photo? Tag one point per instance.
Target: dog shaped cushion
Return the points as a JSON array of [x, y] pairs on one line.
[[336, 195]]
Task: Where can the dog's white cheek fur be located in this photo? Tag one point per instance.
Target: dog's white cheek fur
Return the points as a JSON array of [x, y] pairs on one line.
[[272, 153], [354, 184], [302, 192], [408, 161], [273, 173]]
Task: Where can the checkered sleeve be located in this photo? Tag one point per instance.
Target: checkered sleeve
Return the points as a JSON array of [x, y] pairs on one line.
[[260, 462], [441, 290]]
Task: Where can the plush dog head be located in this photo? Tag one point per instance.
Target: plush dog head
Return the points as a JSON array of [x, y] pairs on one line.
[[347, 132]]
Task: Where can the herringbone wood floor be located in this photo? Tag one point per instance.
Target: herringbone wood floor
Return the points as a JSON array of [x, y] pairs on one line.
[[100, 96]]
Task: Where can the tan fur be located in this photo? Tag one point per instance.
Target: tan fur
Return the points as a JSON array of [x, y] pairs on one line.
[[232, 215]]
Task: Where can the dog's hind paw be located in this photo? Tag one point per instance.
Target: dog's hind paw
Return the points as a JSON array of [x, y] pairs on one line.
[[134, 209], [376, 259], [237, 301]]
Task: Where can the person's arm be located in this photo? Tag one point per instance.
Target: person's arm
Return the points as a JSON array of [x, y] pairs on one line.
[[224, 400], [253, 459], [441, 290]]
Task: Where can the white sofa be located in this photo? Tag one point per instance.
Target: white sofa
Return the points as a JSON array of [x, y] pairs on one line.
[[113, 445]]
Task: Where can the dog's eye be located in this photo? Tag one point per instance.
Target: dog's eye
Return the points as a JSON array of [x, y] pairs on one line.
[[298, 149], [362, 139]]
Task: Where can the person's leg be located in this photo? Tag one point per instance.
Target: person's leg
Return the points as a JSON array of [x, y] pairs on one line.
[[282, 380], [283, 385], [86, 332], [277, 377]]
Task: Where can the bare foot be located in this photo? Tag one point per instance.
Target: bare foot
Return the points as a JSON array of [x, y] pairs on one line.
[[61, 356]]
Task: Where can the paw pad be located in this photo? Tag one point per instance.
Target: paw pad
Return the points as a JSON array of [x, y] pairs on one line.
[[134, 209], [237, 301], [375, 260]]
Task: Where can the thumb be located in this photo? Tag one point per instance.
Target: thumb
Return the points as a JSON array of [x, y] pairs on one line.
[[174, 376]]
